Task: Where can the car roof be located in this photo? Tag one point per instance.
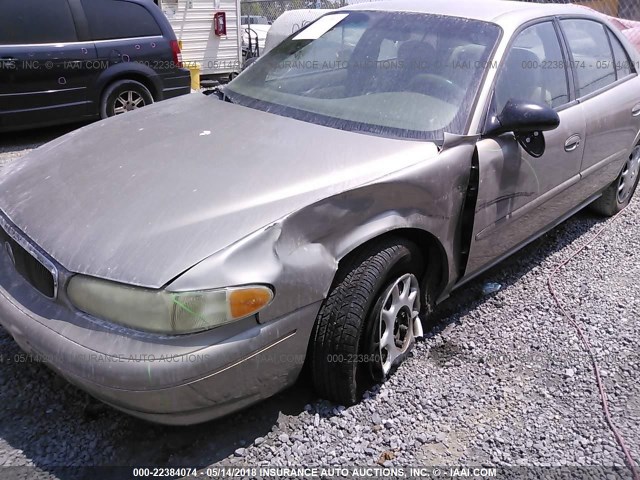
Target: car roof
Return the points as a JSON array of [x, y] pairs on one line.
[[502, 12]]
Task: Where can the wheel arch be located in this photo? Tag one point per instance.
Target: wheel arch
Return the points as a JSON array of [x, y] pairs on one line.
[[436, 273], [135, 76], [128, 71]]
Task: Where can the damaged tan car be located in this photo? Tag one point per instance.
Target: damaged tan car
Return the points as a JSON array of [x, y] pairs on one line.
[[187, 260]]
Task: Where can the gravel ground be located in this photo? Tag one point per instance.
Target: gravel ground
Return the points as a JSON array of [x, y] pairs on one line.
[[500, 380]]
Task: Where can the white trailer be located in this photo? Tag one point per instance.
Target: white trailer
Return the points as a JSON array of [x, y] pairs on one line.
[[193, 22]]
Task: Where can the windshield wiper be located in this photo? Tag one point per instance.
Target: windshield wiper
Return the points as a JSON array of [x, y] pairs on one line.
[[223, 96], [218, 92]]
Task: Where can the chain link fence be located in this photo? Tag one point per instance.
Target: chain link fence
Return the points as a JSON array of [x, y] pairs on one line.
[[259, 11], [627, 9], [266, 11]]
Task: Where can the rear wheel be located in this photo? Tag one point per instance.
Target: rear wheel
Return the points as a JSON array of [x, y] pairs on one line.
[[369, 321], [124, 96], [619, 193]]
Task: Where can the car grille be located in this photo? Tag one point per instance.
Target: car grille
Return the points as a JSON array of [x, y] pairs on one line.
[[28, 266]]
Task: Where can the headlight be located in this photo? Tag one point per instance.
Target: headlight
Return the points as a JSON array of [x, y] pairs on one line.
[[166, 312]]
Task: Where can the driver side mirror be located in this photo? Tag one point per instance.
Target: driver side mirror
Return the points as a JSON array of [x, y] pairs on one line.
[[527, 120]]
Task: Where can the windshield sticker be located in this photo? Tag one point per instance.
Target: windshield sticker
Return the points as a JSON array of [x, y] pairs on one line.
[[320, 27]]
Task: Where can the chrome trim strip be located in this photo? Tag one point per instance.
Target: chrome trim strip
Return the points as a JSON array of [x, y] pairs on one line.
[[82, 42], [32, 250], [43, 92], [149, 37]]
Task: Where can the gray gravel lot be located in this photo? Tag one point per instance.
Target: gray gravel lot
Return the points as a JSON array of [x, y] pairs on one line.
[[499, 380]]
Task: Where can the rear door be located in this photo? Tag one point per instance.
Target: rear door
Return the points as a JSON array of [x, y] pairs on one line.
[[42, 64], [608, 90], [519, 195], [127, 32]]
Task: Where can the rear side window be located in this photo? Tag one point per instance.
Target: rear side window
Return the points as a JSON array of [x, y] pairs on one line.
[[592, 56], [622, 62], [111, 19], [35, 21]]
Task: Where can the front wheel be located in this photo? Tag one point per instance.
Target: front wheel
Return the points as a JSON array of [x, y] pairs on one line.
[[619, 193], [369, 321], [124, 96], [393, 325]]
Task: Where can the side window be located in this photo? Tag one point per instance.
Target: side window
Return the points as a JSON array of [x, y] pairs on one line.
[[592, 57], [35, 21], [620, 57], [534, 69], [110, 19]]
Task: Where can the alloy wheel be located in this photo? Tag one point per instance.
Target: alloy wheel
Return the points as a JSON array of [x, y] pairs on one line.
[[399, 323], [629, 175], [127, 101]]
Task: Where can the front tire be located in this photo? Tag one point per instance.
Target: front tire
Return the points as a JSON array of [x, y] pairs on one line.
[[369, 321], [619, 193], [124, 96]]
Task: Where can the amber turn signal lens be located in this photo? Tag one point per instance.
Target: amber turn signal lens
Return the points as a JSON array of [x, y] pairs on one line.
[[247, 301]]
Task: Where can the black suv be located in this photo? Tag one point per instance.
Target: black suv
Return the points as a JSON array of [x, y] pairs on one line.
[[72, 60]]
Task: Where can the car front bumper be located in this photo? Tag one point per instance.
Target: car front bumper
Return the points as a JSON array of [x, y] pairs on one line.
[[175, 380]]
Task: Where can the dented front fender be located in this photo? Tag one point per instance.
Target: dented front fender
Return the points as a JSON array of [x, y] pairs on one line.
[[300, 253]]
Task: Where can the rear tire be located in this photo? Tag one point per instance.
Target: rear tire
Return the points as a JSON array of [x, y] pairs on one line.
[[345, 359], [123, 96], [619, 193]]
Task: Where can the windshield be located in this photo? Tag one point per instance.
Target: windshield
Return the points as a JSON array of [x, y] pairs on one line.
[[404, 75]]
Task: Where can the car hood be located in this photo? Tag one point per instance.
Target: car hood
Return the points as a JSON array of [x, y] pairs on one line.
[[143, 197]]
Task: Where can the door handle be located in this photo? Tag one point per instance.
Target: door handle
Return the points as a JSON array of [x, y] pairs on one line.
[[572, 143], [635, 111]]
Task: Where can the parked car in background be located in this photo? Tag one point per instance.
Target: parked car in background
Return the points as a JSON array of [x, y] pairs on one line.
[[396, 151], [73, 60], [629, 28], [254, 20]]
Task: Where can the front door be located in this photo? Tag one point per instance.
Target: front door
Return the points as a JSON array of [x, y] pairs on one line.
[[519, 195]]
